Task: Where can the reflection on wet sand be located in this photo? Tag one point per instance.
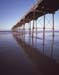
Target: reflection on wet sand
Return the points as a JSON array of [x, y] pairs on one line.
[[13, 60], [42, 63]]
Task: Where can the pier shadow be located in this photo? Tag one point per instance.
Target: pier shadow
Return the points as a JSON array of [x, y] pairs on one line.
[[42, 63]]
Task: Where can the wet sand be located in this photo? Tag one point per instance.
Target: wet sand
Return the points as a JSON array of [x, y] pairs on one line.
[[18, 58]]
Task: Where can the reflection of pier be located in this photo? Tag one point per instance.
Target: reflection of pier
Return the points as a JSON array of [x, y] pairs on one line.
[[43, 64], [39, 10]]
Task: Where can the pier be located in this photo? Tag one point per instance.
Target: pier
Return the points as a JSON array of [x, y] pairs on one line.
[[36, 33]]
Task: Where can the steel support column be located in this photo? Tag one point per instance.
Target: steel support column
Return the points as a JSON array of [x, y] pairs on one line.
[[36, 28], [29, 31], [53, 24], [36, 33], [29, 28], [24, 32], [33, 29], [43, 32], [52, 46]]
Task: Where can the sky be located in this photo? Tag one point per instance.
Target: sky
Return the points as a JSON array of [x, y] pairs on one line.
[[11, 11]]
